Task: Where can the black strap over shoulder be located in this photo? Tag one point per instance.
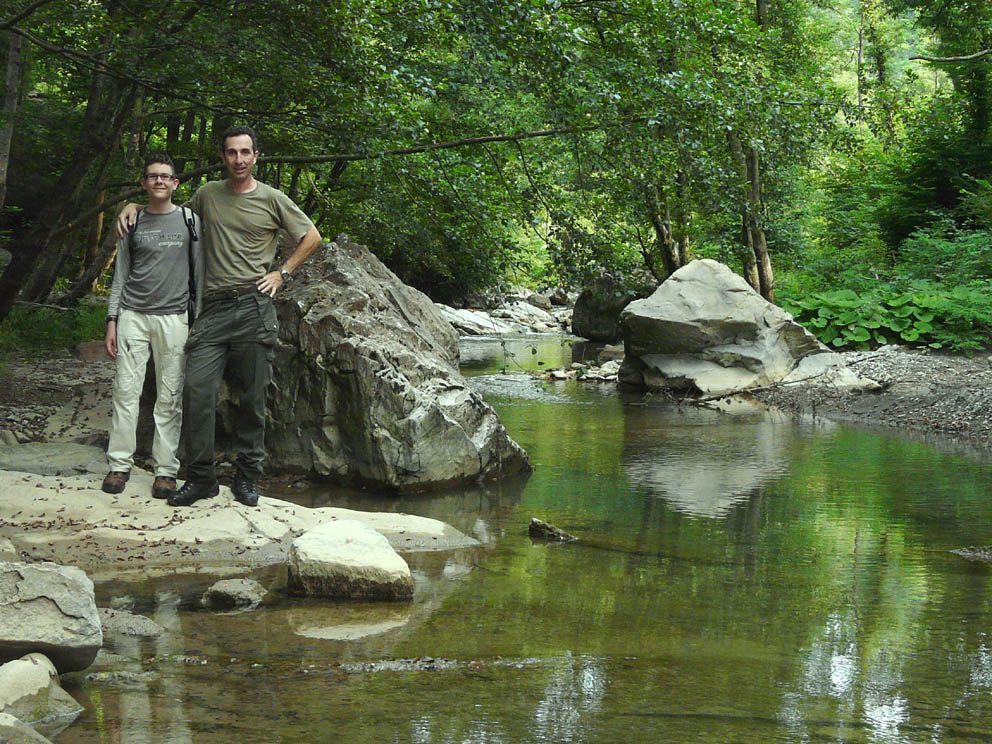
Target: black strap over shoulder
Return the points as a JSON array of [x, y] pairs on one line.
[[193, 237]]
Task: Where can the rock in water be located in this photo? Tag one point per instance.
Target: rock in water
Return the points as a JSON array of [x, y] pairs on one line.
[[230, 593], [15, 731], [366, 383], [51, 609], [704, 330], [30, 691], [543, 531], [347, 560]]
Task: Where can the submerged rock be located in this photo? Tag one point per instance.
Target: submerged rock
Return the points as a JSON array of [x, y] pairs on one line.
[[347, 560], [366, 383], [126, 623], [540, 530], [51, 609]]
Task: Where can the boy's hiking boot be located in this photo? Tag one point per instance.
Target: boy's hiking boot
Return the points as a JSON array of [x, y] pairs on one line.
[[163, 486], [115, 481], [193, 491]]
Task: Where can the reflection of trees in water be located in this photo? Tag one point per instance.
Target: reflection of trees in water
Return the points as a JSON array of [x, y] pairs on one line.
[[576, 687]]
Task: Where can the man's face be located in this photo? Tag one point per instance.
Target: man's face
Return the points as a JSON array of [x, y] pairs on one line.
[[239, 157], [159, 181]]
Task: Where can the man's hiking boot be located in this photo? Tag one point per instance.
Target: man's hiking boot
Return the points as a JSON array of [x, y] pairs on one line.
[[163, 486], [246, 491], [193, 491], [115, 481]]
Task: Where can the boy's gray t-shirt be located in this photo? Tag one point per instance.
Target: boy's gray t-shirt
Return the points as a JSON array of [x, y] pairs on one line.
[[153, 276]]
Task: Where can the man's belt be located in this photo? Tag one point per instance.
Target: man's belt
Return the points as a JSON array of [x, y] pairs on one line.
[[231, 293]]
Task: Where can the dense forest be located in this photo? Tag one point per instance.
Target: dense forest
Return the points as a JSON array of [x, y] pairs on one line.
[[833, 152]]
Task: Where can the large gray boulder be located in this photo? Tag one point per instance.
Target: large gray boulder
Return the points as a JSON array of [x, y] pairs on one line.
[[596, 315], [366, 383], [30, 691], [704, 330], [347, 560], [51, 609]]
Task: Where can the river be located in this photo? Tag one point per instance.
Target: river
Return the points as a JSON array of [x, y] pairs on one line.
[[740, 577]]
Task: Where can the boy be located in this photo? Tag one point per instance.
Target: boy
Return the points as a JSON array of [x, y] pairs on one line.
[[148, 313]]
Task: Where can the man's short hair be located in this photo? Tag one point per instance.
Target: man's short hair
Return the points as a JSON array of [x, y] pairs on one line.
[[237, 131], [158, 157]]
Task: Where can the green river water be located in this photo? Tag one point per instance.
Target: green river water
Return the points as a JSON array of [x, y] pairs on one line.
[[741, 577]]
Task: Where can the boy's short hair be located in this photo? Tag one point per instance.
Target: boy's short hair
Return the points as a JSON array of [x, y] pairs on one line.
[[158, 157], [237, 131]]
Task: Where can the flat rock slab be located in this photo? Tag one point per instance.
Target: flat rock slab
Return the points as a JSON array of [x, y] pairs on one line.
[[132, 535], [48, 458]]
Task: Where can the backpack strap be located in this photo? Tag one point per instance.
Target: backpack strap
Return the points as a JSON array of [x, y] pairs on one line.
[[130, 237], [193, 238]]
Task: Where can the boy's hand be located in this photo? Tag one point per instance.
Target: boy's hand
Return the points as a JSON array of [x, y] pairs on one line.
[[110, 340]]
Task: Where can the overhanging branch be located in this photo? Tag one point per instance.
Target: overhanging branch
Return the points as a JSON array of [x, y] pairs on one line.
[[963, 58]]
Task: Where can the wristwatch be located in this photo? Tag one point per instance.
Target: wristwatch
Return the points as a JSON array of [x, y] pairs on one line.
[[111, 318], [286, 276]]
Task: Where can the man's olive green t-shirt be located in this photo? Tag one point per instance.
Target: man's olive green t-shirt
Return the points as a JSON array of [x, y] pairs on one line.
[[242, 231]]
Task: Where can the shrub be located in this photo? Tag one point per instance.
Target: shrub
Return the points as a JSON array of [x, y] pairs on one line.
[[957, 318]]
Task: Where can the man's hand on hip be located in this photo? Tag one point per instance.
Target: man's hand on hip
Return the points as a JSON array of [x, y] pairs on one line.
[[270, 283]]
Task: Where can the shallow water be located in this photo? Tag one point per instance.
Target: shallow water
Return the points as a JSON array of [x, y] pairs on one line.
[[740, 578]]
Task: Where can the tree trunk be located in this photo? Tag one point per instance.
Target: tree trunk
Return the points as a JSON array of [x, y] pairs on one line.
[[759, 244], [13, 79], [38, 253], [750, 263], [93, 235], [132, 154], [84, 284]]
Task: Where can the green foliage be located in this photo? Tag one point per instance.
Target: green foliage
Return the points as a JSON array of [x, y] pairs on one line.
[[956, 319], [34, 331]]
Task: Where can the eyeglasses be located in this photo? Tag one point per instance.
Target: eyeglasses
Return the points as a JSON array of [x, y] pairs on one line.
[[159, 177]]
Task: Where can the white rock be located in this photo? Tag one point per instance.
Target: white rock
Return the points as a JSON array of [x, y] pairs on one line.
[[348, 560], [48, 608], [30, 691], [475, 322]]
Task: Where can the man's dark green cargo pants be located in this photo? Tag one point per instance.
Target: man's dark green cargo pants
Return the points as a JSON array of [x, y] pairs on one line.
[[236, 330]]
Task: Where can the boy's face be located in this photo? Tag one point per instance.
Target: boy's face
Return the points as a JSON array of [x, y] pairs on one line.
[[159, 181], [239, 157]]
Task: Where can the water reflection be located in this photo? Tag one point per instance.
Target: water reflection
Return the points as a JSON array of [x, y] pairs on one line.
[[703, 462]]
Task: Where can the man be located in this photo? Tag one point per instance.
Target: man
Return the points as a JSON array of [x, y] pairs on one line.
[[237, 328], [148, 314]]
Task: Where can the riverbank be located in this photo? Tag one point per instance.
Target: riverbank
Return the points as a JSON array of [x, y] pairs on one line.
[[922, 392], [63, 399]]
